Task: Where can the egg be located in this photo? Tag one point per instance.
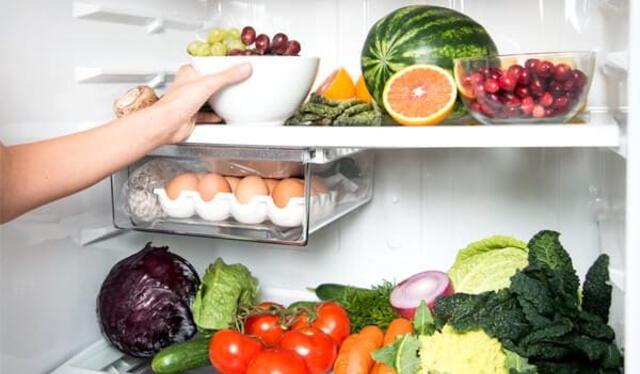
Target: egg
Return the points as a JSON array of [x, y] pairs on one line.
[[287, 189], [249, 187], [183, 182], [212, 184], [271, 184], [233, 183]]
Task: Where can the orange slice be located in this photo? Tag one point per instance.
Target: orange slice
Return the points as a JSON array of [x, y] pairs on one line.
[[420, 95], [337, 86], [362, 92], [464, 85]]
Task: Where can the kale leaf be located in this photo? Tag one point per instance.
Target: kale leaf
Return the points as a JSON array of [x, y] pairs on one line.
[[596, 291]]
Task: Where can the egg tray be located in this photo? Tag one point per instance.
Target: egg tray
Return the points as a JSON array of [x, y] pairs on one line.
[[258, 210]]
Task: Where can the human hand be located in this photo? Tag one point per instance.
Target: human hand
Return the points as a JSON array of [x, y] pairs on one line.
[[189, 92]]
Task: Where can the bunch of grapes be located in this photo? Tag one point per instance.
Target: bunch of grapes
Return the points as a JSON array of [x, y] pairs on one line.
[[233, 42]]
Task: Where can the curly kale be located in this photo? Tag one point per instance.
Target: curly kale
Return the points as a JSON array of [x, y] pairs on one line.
[[540, 316]]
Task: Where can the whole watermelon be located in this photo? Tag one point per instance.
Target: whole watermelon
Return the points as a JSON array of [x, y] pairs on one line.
[[420, 34]]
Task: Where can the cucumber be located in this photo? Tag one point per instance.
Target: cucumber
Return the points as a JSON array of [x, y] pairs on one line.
[[178, 358], [336, 292]]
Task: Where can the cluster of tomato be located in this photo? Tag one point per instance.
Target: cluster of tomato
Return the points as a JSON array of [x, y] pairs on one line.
[[281, 341]]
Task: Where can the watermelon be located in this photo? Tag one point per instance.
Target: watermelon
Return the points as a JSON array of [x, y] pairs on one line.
[[420, 34]]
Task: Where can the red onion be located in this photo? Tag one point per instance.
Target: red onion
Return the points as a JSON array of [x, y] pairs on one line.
[[427, 286]]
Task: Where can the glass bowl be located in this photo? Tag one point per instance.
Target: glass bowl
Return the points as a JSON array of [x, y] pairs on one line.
[[525, 88]]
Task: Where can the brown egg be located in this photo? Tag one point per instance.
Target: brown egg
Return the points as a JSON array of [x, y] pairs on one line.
[[271, 184], [233, 183], [249, 187], [318, 186], [212, 184], [287, 189], [183, 182]]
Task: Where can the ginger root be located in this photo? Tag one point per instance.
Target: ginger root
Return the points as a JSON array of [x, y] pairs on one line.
[[133, 100]]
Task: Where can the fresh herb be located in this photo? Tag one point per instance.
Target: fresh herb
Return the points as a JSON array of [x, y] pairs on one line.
[[540, 317], [369, 306]]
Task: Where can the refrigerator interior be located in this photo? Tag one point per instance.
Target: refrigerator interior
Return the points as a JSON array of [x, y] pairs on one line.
[[73, 58]]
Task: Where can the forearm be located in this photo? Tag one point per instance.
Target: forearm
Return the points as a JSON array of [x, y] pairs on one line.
[[37, 173]]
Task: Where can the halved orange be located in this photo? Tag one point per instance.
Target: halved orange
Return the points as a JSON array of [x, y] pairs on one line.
[[337, 86], [464, 85], [420, 95], [362, 92]]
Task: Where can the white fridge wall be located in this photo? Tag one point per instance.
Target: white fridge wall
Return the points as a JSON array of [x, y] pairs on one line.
[[427, 204]]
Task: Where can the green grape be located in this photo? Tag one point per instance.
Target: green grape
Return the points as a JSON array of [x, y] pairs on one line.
[[218, 49], [236, 44], [204, 50], [194, 47], [216, 35], [233, 33]]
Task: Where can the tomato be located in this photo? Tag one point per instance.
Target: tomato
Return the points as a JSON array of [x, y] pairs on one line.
[[230, 352], [300, 321], [277, 361], [316, 348], [268, 304], [333, 320], [265, 326]]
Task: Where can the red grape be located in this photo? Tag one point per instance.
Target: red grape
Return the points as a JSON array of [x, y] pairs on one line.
[[235, 52], [279, 43], [293, 48], [262, 43], [248, 35]]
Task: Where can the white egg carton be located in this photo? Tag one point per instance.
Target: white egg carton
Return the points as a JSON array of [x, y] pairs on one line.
[[261, 208]]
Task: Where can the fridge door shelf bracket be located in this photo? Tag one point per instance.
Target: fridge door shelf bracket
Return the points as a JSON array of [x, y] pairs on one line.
[[151, 78]]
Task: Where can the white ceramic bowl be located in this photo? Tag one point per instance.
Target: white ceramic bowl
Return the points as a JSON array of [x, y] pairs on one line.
[[273, 92]]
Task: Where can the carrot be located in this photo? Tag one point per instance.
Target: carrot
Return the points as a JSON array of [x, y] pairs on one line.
[[376, 368], [355, 353], [397, 327]]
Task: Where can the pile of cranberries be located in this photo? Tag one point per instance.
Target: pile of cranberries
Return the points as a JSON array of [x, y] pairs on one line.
[[539, 89]]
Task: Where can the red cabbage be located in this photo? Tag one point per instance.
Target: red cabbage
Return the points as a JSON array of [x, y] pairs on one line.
[[144, 303]]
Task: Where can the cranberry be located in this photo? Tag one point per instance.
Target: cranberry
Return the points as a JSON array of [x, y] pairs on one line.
[[515, 71], [476, 78], [491, 85], [572, 95], [527, 105], [514, 101], [494, 98], [560, 102], [525, 77], [549, 112], [538, 111], [545, 69], [537, 87], [475, 106], [486, 110], [484, 71], [507, 82], [522, 91], [513, 111], [569, 84], [531, 63], [581, 78], [562, 72], [495, 72], [556, 88], [546, 99]]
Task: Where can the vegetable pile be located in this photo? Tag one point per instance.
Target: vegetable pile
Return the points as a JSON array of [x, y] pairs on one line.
[[539, 321], [541, 317], [319, 111]]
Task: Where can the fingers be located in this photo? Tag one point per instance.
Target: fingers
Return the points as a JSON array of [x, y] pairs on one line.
[[207, 117], [185, 74], [234, 74]]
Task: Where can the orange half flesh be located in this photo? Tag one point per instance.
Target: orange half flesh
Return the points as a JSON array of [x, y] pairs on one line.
[[420, 95]]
